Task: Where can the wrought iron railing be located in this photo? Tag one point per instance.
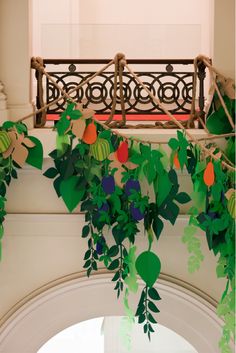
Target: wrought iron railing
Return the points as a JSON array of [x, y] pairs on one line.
[[170, 80]]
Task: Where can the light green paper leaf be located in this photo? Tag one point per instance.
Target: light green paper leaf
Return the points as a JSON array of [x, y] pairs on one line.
[[131, 279]]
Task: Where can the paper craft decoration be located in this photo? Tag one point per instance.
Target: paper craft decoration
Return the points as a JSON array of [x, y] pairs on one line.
[[148, 266], [18, 148], [90, 134], [209, 174], [123, 152], [130, 185], [100, 150], [176, 161], [136, 213], [115, 164], [108, 184], [5, 141]]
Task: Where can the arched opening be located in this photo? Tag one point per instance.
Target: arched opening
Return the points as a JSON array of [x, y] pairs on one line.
[[108, 336], [74, 299]]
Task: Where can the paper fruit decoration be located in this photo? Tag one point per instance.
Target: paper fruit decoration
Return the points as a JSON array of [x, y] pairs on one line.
[[100, 150], [148, 266], [136, 213], [108, 184], [209, 174], [231, 195], [90, 134], [5, 141], [176, 161], [131, 185], [122, 152], [100, 245]]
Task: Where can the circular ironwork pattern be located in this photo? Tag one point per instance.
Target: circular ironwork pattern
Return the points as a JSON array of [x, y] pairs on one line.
[[172, 89]]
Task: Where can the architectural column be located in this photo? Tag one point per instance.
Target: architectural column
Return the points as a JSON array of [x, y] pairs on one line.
[[224, 37], [15, 49]]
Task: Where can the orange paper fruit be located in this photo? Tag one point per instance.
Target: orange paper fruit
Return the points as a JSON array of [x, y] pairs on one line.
[[176, 161], [90, 134], [122, 152], [209, 174]]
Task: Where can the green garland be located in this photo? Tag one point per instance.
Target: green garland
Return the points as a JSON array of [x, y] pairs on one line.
[[101, 171]]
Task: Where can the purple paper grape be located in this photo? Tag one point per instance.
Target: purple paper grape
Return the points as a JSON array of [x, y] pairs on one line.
[[100, 245], [136, 213], [104, 207], [108, 184], [131, 185]]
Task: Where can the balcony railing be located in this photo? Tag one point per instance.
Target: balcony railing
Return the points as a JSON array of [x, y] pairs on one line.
[[170, 80]]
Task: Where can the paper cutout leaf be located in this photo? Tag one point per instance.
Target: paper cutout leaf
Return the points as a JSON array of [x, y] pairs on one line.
[[70, 192], [78, 127], [90, 134], [148, 266], [131, 279], [35, 156], [231, 206], [209, 174]]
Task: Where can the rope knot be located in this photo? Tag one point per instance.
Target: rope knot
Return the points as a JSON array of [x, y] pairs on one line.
[[37, 63]]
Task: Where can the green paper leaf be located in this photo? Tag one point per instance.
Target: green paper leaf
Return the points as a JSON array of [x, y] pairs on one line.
[[153, 307], [114, 265], [148, 266], [50, 173], [62, 125], [35, 156], [173, 144], [182, 197], [70, 193], [153, 294], [162, 187], [157, 226]]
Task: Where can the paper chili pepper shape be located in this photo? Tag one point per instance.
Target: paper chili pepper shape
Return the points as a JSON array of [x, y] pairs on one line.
[[90, 134], [5, 141], [209, 174], [148, 266], [100, 150], [18, 147], [176, 161], [122, 152]]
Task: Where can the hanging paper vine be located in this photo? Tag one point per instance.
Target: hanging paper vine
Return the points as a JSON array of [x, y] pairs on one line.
[[16, 149], [121, 183]]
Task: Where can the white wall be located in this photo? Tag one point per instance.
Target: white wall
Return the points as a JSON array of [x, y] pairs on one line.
[[141, 29]]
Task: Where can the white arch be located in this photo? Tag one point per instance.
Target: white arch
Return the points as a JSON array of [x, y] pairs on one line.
[[76, 298]]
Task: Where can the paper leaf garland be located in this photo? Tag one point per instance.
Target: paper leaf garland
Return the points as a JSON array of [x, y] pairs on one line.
[[209, 174], [90, 134], [115, 164], [148, 266]]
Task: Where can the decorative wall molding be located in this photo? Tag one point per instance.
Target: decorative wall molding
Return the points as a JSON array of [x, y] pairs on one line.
[[59, 304]]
